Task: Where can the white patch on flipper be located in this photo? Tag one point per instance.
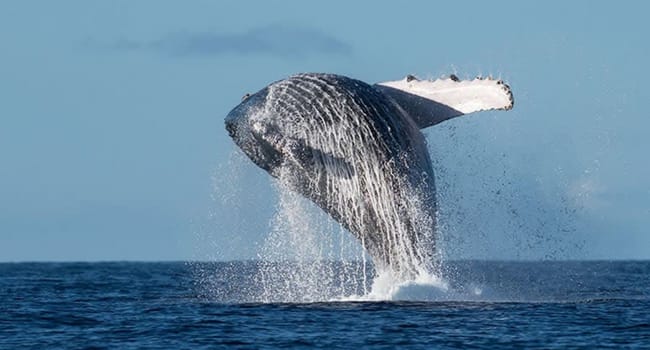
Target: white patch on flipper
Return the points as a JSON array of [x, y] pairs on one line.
[[465, 96]]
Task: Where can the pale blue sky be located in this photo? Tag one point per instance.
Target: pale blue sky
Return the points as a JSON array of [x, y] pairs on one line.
[[111, 120]]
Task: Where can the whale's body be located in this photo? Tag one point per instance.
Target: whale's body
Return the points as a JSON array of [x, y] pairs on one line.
[[357, 152]]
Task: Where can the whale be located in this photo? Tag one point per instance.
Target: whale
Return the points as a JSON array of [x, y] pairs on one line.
[[357, 151]]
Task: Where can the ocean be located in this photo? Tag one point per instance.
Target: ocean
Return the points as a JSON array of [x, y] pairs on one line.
[[180, 305]]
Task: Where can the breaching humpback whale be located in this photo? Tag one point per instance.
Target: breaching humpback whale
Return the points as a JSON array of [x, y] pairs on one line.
[[356, 151]]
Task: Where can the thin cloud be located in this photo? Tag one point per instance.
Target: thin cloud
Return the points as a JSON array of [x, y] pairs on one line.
[[276, 40]]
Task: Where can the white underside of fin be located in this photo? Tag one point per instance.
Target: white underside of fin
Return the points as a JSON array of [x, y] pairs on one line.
[[465, 96]]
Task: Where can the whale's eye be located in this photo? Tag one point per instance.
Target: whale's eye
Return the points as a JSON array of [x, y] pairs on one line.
[[246, 96]]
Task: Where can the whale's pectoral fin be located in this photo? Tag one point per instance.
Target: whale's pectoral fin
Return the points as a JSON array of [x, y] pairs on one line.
[[430, 102]]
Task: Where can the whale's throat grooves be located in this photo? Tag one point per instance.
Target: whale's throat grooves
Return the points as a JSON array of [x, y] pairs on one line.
[[351, 151]]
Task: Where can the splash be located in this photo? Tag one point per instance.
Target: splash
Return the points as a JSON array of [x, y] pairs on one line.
[[303, 256], [307, 257]]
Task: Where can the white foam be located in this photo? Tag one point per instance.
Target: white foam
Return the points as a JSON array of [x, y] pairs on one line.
[[423, 287]]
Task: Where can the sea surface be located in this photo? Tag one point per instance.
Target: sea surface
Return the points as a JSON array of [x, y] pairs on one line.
[[178, 305]]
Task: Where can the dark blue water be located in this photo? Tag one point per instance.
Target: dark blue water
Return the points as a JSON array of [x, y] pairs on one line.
[[168, 306]]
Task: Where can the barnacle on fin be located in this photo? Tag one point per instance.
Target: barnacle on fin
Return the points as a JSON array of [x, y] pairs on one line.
[[411, 77]]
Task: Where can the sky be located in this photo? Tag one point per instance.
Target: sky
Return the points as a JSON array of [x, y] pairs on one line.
[[112, 145]]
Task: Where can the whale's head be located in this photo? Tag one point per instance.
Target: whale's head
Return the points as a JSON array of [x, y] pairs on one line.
[[289, 127], [254, 126]]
